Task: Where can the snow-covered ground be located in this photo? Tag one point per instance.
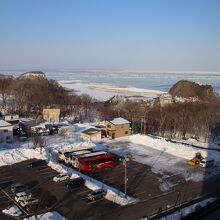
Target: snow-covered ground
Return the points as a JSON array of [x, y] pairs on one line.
[[55, 144], [47, 216], [162, 156], [104, 91], [12, 211], [188, 210], [166, 157]]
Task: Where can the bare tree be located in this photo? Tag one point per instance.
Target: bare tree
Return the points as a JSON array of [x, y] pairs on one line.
[[38, 142]]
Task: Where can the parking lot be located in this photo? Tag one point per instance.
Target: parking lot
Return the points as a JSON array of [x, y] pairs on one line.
[[142, 183], [69, 203]]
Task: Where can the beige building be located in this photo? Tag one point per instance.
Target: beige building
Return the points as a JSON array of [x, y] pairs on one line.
[[51, 115], [6, 131], [164, 99], [92, 134], [119, 127]]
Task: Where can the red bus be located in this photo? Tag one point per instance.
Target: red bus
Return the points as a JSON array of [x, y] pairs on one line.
[[98, 162]]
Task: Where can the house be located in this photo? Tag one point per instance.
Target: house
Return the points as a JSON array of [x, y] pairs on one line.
[[51, 115], [92, 134], [26, 124], [164, 99], [6, 131], [118, 127]]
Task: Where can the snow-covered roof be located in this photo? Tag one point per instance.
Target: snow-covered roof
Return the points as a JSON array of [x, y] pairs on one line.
[[120, 121], [4, 123], [91, 131]]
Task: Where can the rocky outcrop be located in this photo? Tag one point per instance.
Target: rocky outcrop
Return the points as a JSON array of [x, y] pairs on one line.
[[33, 75], [188, 89]]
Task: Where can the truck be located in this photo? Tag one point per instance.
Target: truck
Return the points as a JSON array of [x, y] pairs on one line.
[[195, 160]]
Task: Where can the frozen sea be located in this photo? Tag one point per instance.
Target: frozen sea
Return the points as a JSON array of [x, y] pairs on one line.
[[146, 80], [88, 81]]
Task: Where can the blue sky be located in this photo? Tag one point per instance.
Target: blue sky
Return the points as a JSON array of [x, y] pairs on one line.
[[110, 34]]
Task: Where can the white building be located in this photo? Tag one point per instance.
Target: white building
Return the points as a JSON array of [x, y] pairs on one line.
[[6, 131], [164, 99]]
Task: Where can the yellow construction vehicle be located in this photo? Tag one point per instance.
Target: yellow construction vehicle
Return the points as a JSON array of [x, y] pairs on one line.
[[195, 160]]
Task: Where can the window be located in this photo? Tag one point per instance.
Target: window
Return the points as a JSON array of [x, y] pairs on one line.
[[8, 138], [126, 132], [109, 126], [6, 130]]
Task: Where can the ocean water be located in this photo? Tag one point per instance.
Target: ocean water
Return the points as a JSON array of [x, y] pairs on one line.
[[141, 79], [146, 80]]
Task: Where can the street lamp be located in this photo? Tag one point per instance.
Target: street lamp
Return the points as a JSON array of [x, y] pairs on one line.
[[125, 159]]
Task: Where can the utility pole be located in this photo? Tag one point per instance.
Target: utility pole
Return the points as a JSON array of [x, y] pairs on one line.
[[125, 165]]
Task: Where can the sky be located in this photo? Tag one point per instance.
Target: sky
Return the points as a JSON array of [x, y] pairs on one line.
[[175, 35]]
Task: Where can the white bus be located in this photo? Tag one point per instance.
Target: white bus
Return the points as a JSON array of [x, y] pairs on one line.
[[74, 160], [63, 154]]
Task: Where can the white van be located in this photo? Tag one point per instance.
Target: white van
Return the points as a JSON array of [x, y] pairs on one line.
[[206, 163]]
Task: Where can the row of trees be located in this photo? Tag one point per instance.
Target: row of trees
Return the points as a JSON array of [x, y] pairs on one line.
[[28, 97], [182, 120]]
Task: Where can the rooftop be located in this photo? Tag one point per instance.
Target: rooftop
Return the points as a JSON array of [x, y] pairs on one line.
[[120, 121], [91, 131]]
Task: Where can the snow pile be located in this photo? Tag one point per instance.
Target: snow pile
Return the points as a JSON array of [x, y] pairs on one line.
[[47, 216], [62, 169], [188, 210], [68, 147], [12, 211], [112, 194], [175, 149], [8, 157], [120, 198]]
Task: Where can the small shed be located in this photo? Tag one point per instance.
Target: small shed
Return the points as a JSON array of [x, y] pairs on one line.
[[92, 134], [6, 131]]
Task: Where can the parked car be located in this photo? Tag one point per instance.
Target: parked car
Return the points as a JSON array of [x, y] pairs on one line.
[[95, 195], [75, 183], [18, 187], [24, 203], [206, 163], [37, 163], [61, 177], [21, 196]]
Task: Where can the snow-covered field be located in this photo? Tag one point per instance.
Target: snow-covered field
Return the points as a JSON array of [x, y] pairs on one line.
[[163, 156], [104, 91], [167, 157]]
